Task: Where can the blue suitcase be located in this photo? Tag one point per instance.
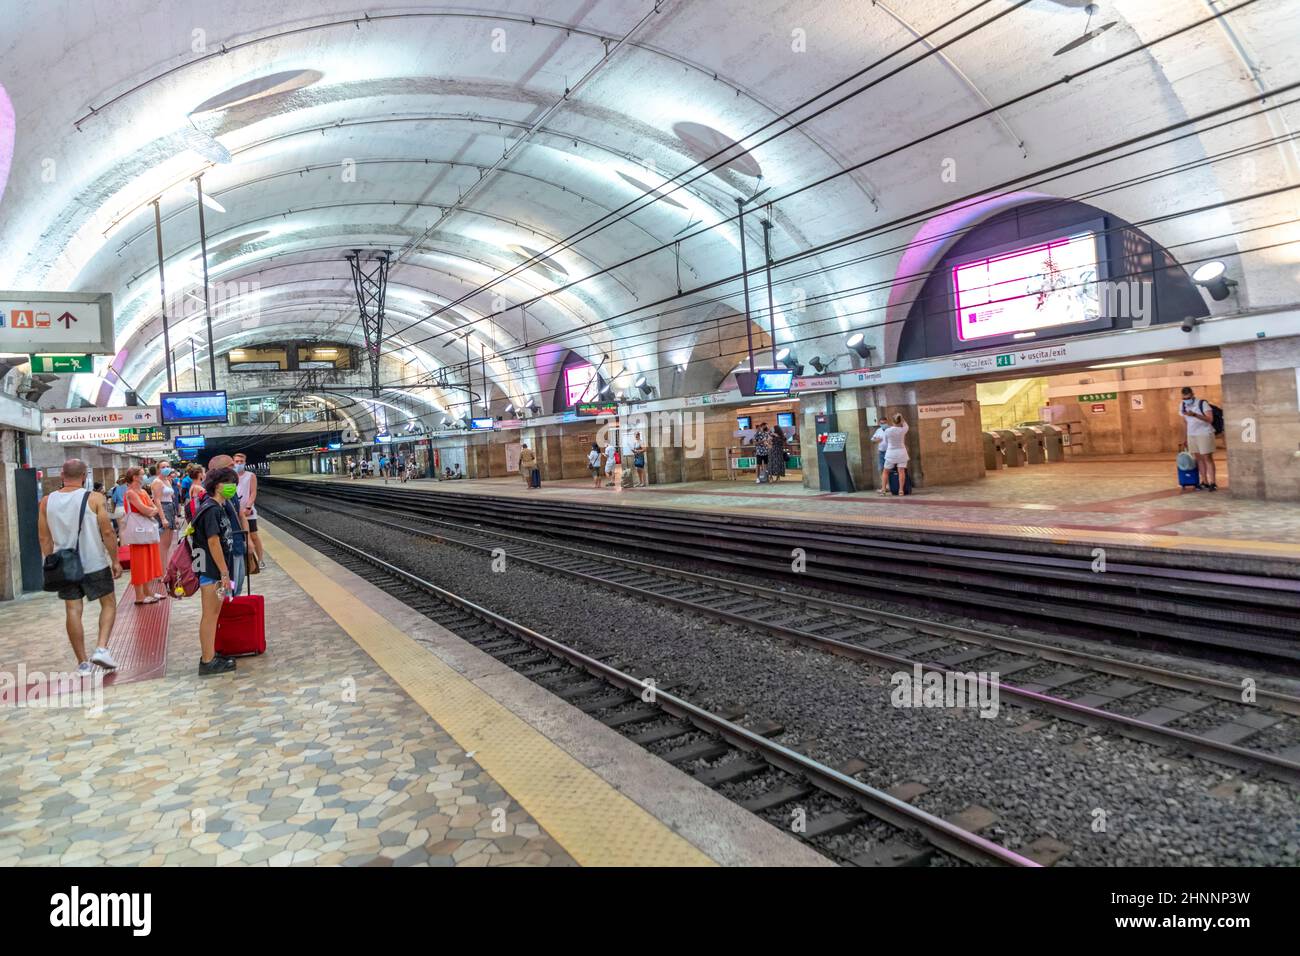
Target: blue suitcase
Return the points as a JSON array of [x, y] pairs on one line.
[[535, 479], [893, 482], [1187, 477]]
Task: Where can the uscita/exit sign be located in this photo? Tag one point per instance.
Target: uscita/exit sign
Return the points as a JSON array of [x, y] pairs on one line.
[[61, 363]]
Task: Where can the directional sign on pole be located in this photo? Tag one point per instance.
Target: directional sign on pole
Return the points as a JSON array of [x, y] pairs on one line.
[[56, 322], [127, 417]]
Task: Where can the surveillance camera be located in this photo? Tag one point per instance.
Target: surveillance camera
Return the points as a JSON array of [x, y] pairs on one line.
[[1189, 323]]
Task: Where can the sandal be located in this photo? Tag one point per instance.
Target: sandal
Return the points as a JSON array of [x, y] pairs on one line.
[[150, 600]]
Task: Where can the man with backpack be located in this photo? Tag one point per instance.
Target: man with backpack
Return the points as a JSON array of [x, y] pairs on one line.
[[1204, 421]]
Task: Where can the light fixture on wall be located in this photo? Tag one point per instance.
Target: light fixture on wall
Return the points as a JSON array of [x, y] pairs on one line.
[[1212, 277], [857, 343], [533, 407], [817, 363], [645, 387]]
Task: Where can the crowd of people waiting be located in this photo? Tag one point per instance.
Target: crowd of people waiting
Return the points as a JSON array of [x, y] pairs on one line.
[[139, 520]]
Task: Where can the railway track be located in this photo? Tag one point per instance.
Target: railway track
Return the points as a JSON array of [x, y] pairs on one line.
[[716, 749], [1156, 602], [1215, 720]]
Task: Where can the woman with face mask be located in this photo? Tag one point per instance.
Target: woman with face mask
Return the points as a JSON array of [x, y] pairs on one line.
[[213, 547], [164, 499]]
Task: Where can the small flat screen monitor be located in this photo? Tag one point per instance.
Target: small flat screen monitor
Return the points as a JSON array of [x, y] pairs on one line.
[[383, 439], [744, 421], [484, 424], [190, 442], [193, 408], [773, 382], [785, 419]]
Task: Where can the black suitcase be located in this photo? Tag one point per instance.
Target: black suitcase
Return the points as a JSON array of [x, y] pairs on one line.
[[535, 479], [893, 481]]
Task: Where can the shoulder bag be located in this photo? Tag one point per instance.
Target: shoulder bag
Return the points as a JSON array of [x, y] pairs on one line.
[[63, 566], [138, 529]]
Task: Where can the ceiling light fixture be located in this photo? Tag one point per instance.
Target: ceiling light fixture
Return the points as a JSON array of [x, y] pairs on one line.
[[213, 204], [857, 343], [1212, 277]]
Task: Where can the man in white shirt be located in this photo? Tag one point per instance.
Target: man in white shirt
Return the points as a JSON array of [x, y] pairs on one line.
[[1199, 417], [60, 526], [878, 436]]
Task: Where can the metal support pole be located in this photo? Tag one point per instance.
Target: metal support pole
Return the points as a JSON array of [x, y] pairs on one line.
[[207, 304], [162, 291], [194, 365], [767, 256], [482, 367], [744, 276]]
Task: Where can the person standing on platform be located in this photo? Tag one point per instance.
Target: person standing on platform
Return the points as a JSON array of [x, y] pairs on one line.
[[878, 437], [140, 532], [527, 462], [611, 459], [63, 525], [118, 502], [213, 544], [164, 499], [593, 463], [895, 444], [638, 460], [762, 452], [248, 502], [776, 459], [1200, 437]]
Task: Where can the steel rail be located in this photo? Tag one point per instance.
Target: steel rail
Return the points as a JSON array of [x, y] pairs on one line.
[[1232, 755]]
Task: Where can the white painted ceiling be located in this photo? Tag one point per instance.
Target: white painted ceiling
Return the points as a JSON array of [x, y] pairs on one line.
[[467, 135]]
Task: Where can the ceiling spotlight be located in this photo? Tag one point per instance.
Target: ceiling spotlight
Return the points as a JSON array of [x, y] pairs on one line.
[[789, 361], [532, 406], [857, 343], [213, 204], [640, 381], [510, 407], [817, 363], [1212, 277], [605, 389]]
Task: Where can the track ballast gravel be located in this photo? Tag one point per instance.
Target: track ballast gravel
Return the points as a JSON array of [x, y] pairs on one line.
[[1113, 801]]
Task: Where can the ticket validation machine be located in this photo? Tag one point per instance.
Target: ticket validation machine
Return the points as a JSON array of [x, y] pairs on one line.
[[832, 461]]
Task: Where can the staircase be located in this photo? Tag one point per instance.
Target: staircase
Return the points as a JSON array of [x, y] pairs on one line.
[[1018, 404]]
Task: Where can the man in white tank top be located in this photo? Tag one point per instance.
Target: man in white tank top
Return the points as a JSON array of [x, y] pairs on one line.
[[60, 516], [248, 501]]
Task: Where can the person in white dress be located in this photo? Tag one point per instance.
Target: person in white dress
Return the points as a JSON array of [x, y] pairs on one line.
[[895, 454]]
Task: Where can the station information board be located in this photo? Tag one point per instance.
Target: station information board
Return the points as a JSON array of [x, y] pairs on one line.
[[60, 323]]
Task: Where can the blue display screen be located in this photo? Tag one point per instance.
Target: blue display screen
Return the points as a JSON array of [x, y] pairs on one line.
[[193, 408], [744, 421], [188, 442], [773, 381], [482, 423], [785, 419]]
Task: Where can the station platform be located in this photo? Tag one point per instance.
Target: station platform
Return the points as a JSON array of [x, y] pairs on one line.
[[1131, 502], [366, 735]]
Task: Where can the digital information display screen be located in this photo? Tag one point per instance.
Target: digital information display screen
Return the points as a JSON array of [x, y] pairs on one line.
[[190, 442], [597, 409], [744, 422], [193, 408], [771, 382], [482, 424], [1016, 293], [785, 419]]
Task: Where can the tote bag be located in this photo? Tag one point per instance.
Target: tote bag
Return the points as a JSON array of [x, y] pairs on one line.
[[138, 529]]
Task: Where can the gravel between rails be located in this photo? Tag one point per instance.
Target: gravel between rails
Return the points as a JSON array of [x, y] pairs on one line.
[[1042, 778]]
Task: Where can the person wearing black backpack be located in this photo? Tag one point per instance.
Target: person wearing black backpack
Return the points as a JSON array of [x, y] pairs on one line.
[[1204, 421], [80, 551]]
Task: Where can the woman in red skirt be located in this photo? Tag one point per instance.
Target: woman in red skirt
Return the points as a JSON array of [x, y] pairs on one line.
[[146, 559]]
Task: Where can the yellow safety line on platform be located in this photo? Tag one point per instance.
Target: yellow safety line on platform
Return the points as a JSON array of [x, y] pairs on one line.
[[593, 822]]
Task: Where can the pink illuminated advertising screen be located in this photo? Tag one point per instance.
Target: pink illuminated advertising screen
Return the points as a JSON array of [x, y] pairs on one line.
[[579, 384], [1018, 293]]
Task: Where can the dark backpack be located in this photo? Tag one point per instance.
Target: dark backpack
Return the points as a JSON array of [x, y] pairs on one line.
[[1216, 416]]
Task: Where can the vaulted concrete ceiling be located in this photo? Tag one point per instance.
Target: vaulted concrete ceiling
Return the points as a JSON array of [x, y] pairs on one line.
[[465, 139]]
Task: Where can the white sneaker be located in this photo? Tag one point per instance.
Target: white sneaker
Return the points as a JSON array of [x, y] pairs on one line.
[[84, 669], [103, 658]]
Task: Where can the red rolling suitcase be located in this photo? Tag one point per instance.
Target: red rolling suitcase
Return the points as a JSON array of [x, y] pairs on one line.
[[124, 556], [241, 626]]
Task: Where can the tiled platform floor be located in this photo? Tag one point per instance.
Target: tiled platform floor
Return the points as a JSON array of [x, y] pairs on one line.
[[273, 765], [1132, 501]]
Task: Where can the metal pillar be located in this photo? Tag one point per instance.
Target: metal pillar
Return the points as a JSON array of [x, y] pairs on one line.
[[744, 276], [371, 285], [771, 312], [207, 304], [162, 291]]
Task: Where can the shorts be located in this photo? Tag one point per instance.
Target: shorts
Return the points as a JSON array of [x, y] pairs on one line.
[[92, 587], [639, 461], [892, 461], [762, 459], [881, 456], [169, 513], [595, 472], [1200, 444], [252, 526]]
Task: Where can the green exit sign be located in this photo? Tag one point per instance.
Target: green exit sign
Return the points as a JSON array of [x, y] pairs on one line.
[[1005, 360], [62, 363], [1099, 397]]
